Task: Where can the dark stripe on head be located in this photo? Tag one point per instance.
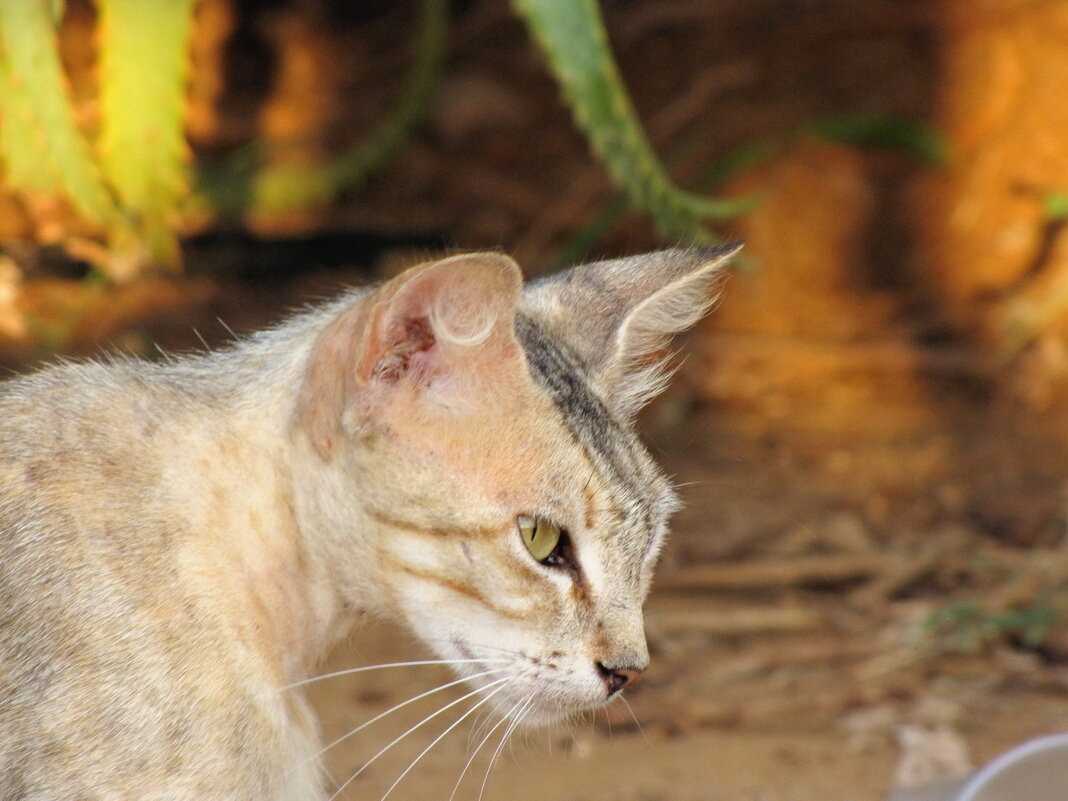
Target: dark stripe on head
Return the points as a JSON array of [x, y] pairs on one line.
[[461, 532], [558, 371], [607, 442]]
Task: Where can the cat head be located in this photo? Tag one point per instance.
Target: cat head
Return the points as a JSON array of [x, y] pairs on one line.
[[480, 439]]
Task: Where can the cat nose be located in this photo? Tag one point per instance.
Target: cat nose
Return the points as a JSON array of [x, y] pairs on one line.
[[616, 679]]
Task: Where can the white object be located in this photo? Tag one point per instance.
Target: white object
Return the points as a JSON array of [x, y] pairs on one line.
[[1034, 771]]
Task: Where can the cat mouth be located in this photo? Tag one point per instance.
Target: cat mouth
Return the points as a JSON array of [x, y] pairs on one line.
[[536, 691]]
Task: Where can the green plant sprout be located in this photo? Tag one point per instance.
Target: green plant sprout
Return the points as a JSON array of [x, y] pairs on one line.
[[967, 626]]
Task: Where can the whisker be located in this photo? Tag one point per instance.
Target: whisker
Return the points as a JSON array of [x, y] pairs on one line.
[[393, 709], [427, 719], [478, 748], [366, 668], [435, 741], [525, 735], [493, 757], [481, 721], [637, 722], [568, 721], [724, 485], [524, 740], [507, 733], [485, 723]]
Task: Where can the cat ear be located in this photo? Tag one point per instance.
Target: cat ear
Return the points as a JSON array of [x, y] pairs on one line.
[[617, 316], [441, 329]]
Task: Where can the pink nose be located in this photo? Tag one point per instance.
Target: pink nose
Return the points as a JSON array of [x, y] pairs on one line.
[[616, 679]]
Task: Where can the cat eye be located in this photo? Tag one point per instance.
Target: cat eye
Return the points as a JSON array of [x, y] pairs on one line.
[[542, 538]]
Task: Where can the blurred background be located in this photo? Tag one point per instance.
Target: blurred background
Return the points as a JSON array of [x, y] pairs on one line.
[[868, 587]]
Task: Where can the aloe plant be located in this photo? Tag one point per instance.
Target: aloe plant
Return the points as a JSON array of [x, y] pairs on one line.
[[143, 64], [128, 180], [42, 148], [131, 176], [571, 34], [573, 39], [273, 188]]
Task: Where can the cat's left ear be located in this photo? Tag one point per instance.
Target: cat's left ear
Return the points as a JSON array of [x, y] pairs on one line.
[[617, 316], [441, 332]]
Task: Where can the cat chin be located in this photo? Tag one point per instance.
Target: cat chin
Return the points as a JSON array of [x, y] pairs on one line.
[[538, 718], [538, 714], [543, 702]]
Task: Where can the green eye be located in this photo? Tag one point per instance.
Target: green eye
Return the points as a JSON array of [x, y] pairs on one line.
[[539, 535]]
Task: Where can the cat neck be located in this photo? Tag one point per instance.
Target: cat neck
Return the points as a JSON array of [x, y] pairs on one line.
[[258, 552]]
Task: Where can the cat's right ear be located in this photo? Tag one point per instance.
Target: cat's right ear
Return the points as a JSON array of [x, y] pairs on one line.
[[440, 331], [617, 316]]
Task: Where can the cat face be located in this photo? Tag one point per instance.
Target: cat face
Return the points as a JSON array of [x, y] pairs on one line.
[[516, 519]]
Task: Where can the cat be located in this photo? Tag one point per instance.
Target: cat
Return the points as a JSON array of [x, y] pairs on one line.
[[181, 541]]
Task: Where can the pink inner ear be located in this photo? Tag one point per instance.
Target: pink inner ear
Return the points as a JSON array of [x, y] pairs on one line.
[[392, 334], [407, 349]]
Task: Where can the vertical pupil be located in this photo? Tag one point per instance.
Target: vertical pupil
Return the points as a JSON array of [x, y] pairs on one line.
[[540, 536]]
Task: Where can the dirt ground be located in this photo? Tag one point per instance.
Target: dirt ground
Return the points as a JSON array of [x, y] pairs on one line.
[[868, 586]]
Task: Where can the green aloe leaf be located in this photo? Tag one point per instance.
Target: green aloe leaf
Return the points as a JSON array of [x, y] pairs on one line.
[[912, 137], [22, 147], [238, 186], [144, 60], [42, 147], [573, 39]]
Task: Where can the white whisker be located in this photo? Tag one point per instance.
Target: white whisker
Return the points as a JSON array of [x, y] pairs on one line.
[[511, 746], [568, 722], [366, 668], [393, 709], [500, 746], [427, 719], [477, 726], [481, 726], [478, 748], [635, 717], [435, 741]]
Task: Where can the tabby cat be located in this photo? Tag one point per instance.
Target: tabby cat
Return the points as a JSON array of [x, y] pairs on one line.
[[182, 541]]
